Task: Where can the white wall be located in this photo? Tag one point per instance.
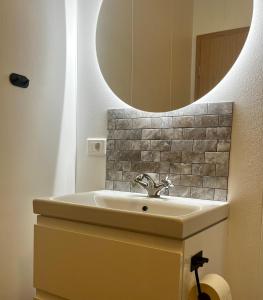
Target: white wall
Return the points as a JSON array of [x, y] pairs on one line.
[[94, 98], [65, 179], [244, 86], [32, 42]]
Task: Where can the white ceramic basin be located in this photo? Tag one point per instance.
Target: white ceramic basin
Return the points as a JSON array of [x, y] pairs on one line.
[[167, 216]]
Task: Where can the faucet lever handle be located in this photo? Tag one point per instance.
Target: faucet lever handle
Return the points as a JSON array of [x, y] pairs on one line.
[[167, 183]]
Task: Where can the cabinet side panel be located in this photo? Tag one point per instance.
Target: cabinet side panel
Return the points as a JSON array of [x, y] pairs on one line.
[[212, 242]]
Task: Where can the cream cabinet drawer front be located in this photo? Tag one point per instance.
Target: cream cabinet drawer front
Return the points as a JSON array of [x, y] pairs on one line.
[[78, 266]]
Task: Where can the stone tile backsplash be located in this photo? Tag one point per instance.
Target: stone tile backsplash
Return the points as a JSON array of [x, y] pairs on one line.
[[190, 145]]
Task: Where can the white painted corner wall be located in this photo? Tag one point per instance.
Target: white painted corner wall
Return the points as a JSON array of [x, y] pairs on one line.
[[94, 99], [243, 85], [37, 126]]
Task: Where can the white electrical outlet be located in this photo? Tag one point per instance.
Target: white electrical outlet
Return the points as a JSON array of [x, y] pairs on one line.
[[96, 146]]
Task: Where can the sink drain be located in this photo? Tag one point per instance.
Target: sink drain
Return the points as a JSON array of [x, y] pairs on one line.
[[145, 208]]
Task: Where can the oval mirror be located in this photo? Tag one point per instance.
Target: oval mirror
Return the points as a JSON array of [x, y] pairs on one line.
[[160, 55]]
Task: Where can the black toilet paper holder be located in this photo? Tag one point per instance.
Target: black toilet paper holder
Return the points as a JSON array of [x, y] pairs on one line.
[[197, 261]]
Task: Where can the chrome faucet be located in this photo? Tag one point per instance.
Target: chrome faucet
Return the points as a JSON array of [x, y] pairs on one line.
[[153, 189]]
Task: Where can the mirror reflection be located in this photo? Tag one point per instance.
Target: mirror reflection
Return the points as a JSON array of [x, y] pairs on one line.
[[160, 55]]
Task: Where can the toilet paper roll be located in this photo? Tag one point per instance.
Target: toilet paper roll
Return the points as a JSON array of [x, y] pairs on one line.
[[214, 286]]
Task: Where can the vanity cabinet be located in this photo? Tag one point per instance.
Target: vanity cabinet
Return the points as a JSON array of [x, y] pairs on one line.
[[80, 261]]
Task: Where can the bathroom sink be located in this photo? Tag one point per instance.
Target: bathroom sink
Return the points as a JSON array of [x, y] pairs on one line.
[[166, 216]]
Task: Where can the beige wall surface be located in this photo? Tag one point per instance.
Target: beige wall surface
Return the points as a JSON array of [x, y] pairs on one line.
[[243, 85], [218, 15], [32, 43]]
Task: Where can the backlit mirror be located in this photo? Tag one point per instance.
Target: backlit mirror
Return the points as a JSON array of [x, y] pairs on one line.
[[160, 55]]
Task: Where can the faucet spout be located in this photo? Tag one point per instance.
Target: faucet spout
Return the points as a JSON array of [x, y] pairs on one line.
[[153, 189]]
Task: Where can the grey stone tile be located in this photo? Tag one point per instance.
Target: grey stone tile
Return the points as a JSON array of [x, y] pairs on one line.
[[224, 133], [140, 145], [133, 134], [131, 113], [123, 144], [182, 145], [155, 176], [166, 122], [184, 121], [129, 176], [121, 186], [192, 157], [211, 133], [202, 193], [222, 170], [194, 133], [193, 109], [221, 133], [164, 167], [110, 144], [161, 122], [206, 121], [147, 155], [167, 134], [223, 108], [205, 146], [151, 156], [161, 145], [172, 134], [178, 133], [111, 155], [141, 114], [145, 167], [146, 114], [111, 114], [156, 123], [180, 191], [215, 182], [191, 180], [109, 185], [223, 146], [136, 188], [151, 134], [129, 155], [204, 169], [141, 123], [173, 157], [197, 127], [116, 114], [122, 166], [181, 168], [111, 124], [225, 120], [220, 195], [124, 124], [217, 157], [175, 179], [110, 165], [113, 175]]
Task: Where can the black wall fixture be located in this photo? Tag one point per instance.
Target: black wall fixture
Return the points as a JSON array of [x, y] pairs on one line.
[[19, 80], [197, 261]]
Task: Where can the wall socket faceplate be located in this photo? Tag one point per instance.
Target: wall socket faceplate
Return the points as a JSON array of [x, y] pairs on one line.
[[96, 146]]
